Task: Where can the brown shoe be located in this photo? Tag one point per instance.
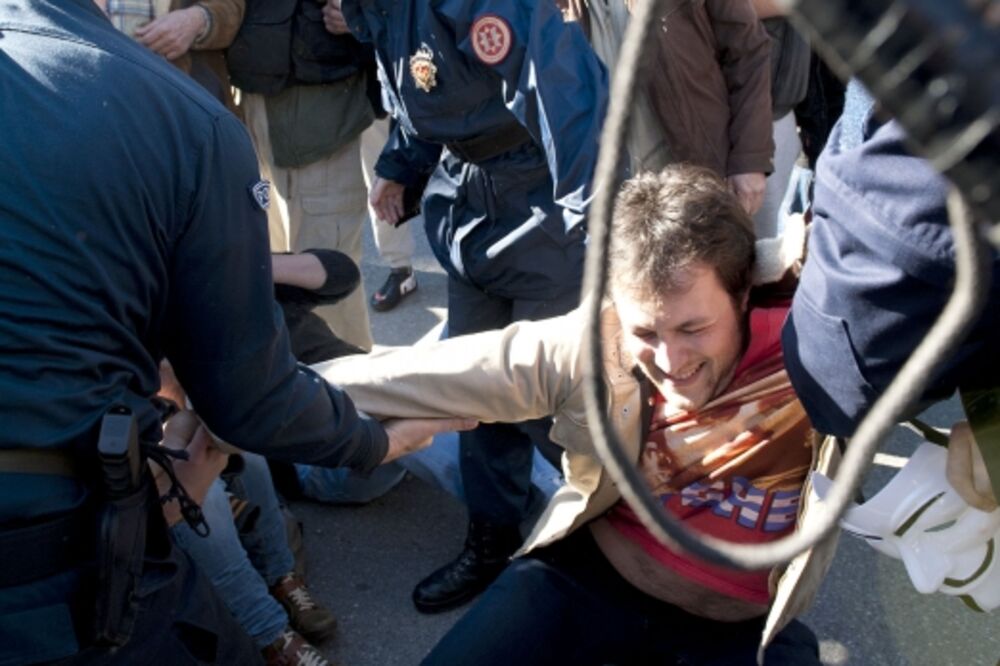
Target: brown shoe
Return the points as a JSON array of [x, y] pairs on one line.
[[290, 649], [309, 618]]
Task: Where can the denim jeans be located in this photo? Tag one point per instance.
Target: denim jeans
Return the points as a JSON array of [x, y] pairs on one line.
[[566, 604], [438, 465], [242, 567], [345, 486]]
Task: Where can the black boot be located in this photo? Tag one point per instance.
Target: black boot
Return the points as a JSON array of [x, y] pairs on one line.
[[488, 548]]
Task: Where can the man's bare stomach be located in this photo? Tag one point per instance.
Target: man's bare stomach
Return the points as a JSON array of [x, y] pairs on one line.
[[641, 570]]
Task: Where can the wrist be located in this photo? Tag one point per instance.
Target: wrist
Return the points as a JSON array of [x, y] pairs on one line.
[[205, 19], [171, 510]]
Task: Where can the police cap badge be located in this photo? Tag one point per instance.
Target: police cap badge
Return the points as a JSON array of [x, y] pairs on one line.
[[423, 69]]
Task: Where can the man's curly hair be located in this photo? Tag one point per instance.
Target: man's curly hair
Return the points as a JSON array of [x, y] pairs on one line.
[[665, 222]]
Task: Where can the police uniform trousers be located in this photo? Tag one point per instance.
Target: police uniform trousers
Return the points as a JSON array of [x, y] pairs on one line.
[[320, 205], [178, 618], [181, 622], [496, 230]]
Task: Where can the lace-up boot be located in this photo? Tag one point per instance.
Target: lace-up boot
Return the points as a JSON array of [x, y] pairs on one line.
[[488, 548]]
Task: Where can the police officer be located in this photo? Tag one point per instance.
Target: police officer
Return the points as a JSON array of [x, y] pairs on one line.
[[882, 211], [132, 227], [502, 103]]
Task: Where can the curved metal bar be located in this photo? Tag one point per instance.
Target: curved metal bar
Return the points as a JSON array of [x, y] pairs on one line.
[[941, 341]]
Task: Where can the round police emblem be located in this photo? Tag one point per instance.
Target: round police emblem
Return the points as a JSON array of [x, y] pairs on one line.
[[491, 38]]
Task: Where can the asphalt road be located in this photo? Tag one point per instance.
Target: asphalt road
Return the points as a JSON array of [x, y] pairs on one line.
[[363, 561]]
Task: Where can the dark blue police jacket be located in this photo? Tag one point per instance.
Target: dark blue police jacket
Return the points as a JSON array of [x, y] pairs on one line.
[[879, 269], [529, 67], [131, 228]]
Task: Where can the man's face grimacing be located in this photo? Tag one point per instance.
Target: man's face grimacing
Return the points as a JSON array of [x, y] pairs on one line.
[[689, 340]]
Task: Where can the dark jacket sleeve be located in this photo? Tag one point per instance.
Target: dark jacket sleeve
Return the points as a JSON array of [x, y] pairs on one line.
[[226, 338], [406, 159], [880, 269], [744, 52]]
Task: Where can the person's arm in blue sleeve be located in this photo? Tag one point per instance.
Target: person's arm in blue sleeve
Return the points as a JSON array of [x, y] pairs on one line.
[[406, 159], [880, 269], [554, 84], [224, 333], [406, 162]]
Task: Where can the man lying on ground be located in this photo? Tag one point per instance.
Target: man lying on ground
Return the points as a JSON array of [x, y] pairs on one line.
[[698, 393]]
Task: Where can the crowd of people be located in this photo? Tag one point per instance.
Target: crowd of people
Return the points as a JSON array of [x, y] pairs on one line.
[[185, 187]]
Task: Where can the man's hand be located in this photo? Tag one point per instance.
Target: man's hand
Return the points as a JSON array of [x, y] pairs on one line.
[[966, 470], [409, 435], [333, 18], [172, 34], [768, 8], [387, 200], [749, 189], [204, 464], [170, 386]]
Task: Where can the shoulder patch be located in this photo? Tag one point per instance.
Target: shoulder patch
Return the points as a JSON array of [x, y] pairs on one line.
[[260, 192], [491, 38]]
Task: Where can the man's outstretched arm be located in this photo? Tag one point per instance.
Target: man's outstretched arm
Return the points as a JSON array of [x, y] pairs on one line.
[[524, 371]]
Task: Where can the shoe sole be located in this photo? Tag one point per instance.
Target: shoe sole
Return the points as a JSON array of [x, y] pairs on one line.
[[320, 635], [450, 604]]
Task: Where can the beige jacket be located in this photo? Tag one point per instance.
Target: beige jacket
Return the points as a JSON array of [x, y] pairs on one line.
[[534, 369]]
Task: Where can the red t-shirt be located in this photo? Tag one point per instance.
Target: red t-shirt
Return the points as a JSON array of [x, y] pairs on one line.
[[735, 508]]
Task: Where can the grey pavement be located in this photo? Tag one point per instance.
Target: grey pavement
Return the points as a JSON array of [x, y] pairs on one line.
[[364, 561]]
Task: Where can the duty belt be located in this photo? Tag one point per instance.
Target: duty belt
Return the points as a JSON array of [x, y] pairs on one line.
[[38, 551], [58, 462], [55, 544], [485, 146]]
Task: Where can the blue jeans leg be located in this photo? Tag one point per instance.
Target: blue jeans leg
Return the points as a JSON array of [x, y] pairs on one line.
[[566, 604], [438, 465], [534, 615], [267, 542], [345, 486], [221, 557]]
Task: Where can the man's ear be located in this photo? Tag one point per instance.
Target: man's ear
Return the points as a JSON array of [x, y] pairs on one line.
[[744, 301]]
